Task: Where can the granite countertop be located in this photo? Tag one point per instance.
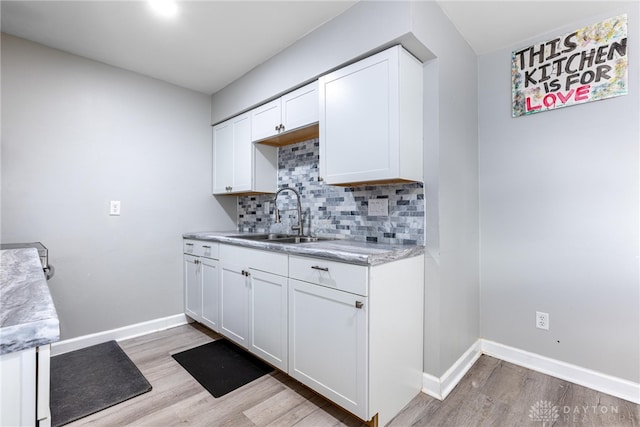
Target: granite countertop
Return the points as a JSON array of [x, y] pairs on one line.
[[28, 317], [337, 250]]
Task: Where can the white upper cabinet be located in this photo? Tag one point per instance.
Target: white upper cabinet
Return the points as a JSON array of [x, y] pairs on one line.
[[295, 110], [266, 120], [239, 166], [371, 120]]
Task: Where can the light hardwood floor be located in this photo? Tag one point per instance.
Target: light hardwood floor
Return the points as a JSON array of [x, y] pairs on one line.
[[493, 393]]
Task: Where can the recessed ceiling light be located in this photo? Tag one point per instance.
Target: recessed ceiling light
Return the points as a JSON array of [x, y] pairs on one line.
[[166, 8]]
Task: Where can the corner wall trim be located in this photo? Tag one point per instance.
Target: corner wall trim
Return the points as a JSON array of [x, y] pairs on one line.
[[126, 332], [598, 381], [614, 386], [441, 387]]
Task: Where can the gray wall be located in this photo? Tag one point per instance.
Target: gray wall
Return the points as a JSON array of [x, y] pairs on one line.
[[77, 134], [452, 306], [559, 209], [451, 190]]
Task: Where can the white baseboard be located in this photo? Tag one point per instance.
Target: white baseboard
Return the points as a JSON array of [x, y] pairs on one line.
[[441, 387], [118, 334], [604, 383]]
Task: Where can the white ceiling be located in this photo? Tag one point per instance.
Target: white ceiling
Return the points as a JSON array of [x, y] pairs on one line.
[[490, 25], [205, 47], [209, 44]]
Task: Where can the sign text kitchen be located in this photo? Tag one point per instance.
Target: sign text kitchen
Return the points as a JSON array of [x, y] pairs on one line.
[[586, 65]]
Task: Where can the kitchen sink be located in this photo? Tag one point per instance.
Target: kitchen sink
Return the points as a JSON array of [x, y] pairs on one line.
[[271, 236], [280, 238]]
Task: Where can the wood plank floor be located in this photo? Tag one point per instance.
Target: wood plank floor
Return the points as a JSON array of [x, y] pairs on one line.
[[493, 393]]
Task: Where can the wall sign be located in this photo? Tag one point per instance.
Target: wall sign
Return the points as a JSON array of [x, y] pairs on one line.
[[583, 66]]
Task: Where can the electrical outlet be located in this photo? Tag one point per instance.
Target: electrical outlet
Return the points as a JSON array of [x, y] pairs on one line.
[[542, 320], [378, 207], [114, 208]]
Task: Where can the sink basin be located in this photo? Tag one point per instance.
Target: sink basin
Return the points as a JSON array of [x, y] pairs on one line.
[[300, 239], [271, 236], [280, 238]]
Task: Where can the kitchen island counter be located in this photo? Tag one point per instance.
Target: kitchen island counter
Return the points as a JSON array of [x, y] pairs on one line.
[[28, 317], [348, 251]]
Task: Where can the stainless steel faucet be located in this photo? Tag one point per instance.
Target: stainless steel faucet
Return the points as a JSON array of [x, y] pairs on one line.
[[299, 227]]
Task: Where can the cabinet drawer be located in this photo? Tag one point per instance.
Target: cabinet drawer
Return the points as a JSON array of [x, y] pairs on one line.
[[337, 275], [271, 262], [201, 248]]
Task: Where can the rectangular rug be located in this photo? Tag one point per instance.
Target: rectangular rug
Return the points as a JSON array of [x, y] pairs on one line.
[[91, 379], [221, 367]]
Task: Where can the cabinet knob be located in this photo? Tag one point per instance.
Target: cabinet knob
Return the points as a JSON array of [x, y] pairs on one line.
[[359, 304]]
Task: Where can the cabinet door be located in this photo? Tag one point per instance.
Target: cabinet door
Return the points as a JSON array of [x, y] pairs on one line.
[[266, 120], [357, 105], [232, 156], [18, 388], [328, 344], [210, 271], [243, 154], [222, 174], [192, 287], [234, 302], [300, 107], [268, 317]]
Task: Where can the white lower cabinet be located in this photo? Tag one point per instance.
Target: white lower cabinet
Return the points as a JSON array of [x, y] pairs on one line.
[[268, 317], [328, 343], [209, 272], [352, 333], [254, 301], [201, 282], [234, 302], [356, 332], [24, 389]]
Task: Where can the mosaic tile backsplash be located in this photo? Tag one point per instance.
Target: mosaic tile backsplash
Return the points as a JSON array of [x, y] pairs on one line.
[[331, 211]]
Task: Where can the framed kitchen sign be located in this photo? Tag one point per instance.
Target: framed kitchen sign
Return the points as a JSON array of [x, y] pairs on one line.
[[586, 65]]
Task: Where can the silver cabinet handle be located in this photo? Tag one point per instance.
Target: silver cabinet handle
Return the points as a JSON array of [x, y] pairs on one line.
[[359, 304], [208, 247], [317, 267], [189, 244]]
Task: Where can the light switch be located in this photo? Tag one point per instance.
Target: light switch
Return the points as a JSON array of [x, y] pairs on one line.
[[378, 207], [114, 208]]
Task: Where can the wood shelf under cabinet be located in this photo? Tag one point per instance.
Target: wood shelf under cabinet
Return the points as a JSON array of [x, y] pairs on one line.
[[293, 137]]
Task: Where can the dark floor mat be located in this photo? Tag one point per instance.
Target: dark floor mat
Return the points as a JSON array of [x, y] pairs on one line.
[[221, 366], [88, 380]]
